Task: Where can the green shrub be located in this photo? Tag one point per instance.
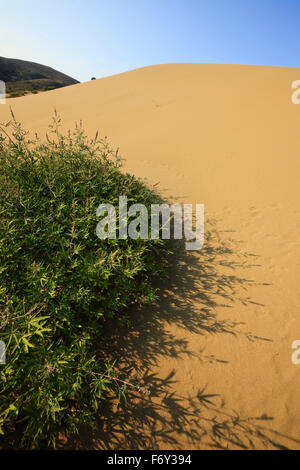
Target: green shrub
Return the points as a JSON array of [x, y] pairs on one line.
[[17, 93], [49, 88], [59, 282]]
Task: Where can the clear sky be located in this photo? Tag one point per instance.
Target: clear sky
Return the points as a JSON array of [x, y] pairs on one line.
[[86, 38]]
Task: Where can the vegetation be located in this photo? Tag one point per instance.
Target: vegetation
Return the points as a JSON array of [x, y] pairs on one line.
[[17, 93], [59, 282], [22, 89]]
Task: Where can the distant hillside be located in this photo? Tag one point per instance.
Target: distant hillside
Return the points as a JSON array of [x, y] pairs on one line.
[[22, 77]]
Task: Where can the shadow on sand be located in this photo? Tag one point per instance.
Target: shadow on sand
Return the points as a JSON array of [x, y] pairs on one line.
[[155, 417]]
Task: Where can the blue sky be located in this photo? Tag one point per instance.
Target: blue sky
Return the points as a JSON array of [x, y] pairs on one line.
[[86, 38]]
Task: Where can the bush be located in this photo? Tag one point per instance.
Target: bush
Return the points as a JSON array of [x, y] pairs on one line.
[[48, 88], [59, 282]]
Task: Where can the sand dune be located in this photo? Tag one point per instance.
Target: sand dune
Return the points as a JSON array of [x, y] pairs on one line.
[[216, 350]]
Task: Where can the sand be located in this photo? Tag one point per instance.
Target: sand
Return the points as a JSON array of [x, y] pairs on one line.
[[215, 352]]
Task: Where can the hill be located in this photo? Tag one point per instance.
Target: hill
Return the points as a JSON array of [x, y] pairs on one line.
[[22, 76], [216, 350]]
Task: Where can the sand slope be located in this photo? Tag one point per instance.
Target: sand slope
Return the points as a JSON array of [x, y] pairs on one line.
[[216, 351]]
